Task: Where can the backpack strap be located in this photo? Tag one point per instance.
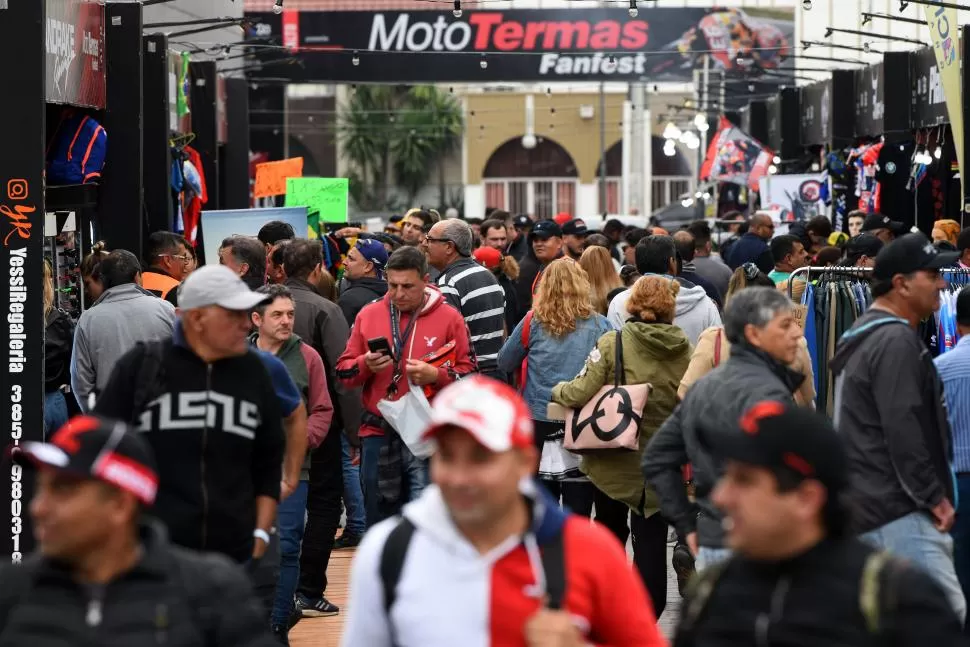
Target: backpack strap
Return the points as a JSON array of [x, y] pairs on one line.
[[700, 590], [554, 567], [392, 561]]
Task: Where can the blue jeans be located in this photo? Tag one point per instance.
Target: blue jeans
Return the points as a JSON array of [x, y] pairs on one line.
[[707, 557], [55, 413], [414, 479], [353, 495], [914, 538], [291, 516]]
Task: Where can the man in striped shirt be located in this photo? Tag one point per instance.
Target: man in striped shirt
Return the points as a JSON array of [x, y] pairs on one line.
[[954, 369], [470, 288]]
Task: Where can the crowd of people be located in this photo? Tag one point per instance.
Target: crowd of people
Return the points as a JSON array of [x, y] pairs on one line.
[[492, 409]]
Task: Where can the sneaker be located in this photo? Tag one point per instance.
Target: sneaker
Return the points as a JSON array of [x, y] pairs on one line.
[[315, 607], [345, 541], [683, 562], [280, 634]]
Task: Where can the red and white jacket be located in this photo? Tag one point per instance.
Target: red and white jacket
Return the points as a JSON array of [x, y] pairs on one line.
[[450, 595], [438, 325]]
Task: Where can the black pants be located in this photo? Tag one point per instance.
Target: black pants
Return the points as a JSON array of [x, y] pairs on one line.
[[323, 515], [649, 544], [576, 495]]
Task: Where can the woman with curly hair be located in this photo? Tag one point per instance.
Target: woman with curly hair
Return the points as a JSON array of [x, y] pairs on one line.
[[603, 278], [655, 352], [552, 342]]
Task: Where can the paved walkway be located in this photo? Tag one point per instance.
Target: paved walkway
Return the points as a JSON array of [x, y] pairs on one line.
[[325, 632]]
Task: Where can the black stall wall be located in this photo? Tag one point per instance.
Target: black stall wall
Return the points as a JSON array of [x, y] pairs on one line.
[[158, 155], [121, 218], [235, 158], [22, 48]]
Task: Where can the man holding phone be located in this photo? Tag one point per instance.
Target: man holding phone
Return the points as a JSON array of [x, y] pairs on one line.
[[409, 337]]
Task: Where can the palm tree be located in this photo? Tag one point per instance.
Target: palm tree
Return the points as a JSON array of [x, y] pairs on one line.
[[408, 130]]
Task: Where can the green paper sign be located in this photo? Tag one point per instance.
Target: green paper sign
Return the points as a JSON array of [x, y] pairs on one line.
[[325, 198]]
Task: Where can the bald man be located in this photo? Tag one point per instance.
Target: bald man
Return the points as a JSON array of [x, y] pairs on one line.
[[753, 246]]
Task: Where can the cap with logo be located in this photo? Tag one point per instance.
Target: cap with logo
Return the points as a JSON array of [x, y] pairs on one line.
[[96, 448], [787, 438], [488, 256], [492, 412], [374, 252], [522, 221], [545, 229], [908, 254], [217, 285], [575, 227], [876, 221]]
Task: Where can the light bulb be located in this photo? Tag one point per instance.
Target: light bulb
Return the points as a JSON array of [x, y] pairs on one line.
[[355, 61], [634, 12], [484, 63], [278, 7], [807, 5], [457, 12]]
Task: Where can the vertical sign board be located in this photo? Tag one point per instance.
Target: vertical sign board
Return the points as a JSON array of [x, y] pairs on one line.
[[22, 39]]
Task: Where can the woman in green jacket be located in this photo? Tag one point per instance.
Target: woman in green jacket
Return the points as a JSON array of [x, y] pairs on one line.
[[655, 352]]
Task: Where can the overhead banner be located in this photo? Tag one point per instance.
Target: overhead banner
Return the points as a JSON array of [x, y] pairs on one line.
[[870, 102], [660, 44], [735, 157], [816, 113], [22, 47], [945, 33], [74, 35], [928, 104]]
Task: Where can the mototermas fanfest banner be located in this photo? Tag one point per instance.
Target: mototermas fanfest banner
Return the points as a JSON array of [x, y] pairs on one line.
[[945, 33], [660, 44], [736, 157]]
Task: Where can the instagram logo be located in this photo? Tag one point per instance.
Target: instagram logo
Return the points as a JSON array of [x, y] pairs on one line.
[[17, 189]]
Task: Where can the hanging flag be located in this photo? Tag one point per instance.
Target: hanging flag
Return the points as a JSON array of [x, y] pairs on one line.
[[183, 87], [944, 30], [736, 157]]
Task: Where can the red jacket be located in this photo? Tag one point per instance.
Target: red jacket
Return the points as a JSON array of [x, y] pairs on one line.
[[438, 325]]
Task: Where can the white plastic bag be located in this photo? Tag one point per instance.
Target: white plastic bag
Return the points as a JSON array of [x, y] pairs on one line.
[[410, 416]]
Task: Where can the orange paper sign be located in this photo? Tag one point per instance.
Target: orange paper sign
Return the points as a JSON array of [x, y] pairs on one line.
[[271, 176]]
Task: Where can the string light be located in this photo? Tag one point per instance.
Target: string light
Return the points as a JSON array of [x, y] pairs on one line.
[[355, 61], [634, 12], [457, 12], [278, 7]]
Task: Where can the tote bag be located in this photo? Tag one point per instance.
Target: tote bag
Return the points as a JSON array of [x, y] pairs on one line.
[[611, 419]]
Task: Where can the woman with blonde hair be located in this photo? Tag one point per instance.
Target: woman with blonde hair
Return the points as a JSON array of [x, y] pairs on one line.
[[58, 343], [713, 347], [602, 275], [655, 352], [551, 344]]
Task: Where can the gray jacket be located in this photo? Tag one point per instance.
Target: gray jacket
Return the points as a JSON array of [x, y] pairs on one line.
[[123, 316], [714, 405]]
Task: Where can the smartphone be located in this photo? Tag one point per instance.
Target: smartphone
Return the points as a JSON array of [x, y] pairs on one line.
[[380, 345]]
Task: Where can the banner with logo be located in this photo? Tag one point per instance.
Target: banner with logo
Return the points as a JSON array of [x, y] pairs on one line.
[[22, 46], [945, 34], [870, 101], [816, 113], [735, 157], [75, 52], [928, 104], [570, 44], [793, 197]]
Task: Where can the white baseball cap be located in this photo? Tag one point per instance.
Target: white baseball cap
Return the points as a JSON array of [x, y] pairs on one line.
[[217, 285]]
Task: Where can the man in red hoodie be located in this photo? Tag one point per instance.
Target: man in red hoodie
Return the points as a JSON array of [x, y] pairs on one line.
[[430, 348]]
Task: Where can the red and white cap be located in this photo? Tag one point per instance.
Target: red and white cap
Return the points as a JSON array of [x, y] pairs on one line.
[[492, 412]]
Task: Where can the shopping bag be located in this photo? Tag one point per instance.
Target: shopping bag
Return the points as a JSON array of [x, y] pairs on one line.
[[410, 416]]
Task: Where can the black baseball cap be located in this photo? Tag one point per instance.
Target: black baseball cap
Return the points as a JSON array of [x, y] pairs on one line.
[[878, 221], [788, 440], [522, 221], [910, 253], [545, 229], [575, 227], [96, 448], [863, 244]]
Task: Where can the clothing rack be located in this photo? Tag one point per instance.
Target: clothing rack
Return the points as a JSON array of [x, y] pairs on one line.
[[840, 270]]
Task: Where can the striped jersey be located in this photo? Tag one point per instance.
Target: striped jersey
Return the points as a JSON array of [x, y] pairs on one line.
[[475, 292]]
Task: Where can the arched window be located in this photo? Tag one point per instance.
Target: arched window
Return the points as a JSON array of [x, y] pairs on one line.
[[540, 180]]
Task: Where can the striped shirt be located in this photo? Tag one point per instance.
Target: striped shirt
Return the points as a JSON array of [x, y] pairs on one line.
[[954, 369], [475, 293]]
